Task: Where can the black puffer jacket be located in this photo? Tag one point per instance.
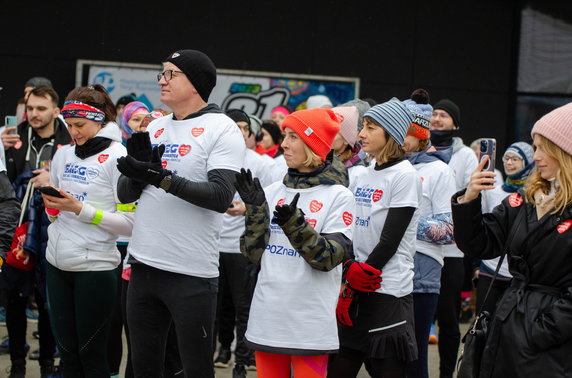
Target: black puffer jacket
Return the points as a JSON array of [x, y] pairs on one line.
[[531, 332]]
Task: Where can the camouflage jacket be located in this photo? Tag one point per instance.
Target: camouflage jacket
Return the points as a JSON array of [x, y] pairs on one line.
[[322, 251]]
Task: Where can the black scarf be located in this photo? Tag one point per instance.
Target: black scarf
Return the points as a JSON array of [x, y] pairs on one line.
[[93, 146], [442, 138]]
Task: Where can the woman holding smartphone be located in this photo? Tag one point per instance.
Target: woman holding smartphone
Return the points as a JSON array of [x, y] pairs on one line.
[[81, 253], [531, 330]]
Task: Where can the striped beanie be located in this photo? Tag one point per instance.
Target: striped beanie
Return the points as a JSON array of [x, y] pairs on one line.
[[522, 149], [556, 126], [394, 117]]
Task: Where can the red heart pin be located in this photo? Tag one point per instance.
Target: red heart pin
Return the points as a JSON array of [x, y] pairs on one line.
[[184, 149], [564, 226], [348, 218], [376, 196], [159, 132], [312, 222], [280, 202], [515, 200], [102, 158], [315, 206], [196, 131], [164, 163]]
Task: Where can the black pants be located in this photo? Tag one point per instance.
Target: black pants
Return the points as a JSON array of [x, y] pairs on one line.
[[155, 300], [448, 312], [16, 324], [424, 305], [234, 299], [115, 344], [81, 307], [499, 286]]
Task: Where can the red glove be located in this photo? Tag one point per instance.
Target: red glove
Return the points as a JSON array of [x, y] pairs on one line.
[[362, 276], [343, 307]]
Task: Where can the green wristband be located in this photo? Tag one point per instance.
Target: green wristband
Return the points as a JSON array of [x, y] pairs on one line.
[[98, 217]]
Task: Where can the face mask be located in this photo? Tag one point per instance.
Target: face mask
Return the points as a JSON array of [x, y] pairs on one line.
[[442, 138]]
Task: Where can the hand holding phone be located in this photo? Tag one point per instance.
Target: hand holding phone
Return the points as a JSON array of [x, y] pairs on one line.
[[488, 148], [50, 191]]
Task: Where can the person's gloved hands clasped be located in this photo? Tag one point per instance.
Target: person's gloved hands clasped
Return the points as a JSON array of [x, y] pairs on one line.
[[249, 189], [361, 276], [283, 213], [151, 172]]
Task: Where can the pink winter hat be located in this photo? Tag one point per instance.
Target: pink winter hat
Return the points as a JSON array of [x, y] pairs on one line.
[[556, 126], [348, 117]]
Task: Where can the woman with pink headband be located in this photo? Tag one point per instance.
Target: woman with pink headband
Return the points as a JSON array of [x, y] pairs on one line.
[[278, 114], [86, 219]]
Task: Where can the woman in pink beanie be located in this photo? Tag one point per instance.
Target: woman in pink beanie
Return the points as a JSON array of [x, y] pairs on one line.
[[531, 331], [299, 231]]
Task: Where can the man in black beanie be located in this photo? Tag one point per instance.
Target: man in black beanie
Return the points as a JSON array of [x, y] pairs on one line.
[[445, 122], [182, 172]]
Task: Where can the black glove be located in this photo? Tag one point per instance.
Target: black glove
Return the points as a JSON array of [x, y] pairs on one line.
[[139, 147], [283, 213], [151, 172], [249, 190]]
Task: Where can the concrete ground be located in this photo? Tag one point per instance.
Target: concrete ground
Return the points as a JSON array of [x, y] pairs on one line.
[[33, 370]]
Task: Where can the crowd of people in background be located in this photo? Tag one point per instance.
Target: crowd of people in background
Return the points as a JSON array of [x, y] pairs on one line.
[[319, 241]]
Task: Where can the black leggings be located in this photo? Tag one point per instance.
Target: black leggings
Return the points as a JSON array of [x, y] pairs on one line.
[[156, 299], [348, 362]]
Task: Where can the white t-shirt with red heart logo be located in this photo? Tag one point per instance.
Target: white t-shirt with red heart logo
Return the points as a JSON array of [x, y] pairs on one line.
[[375, 193], [294, 305]]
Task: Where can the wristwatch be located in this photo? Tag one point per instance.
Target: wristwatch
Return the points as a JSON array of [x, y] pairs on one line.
[[165, 184]]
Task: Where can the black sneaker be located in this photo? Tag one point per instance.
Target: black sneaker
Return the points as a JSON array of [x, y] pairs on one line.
[[239, 371], [251, 364], [17, 371], [223, 358], [48, 371]]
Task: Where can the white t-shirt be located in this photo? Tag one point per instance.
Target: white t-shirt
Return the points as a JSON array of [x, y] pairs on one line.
[[354, 172], [491, 198], [172, 234], [463, 163], [375, 193], [294, 305], [233, 226], [438, 188]]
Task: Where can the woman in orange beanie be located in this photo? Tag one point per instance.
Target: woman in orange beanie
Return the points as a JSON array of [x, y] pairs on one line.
[[531, 330], [300, 245]]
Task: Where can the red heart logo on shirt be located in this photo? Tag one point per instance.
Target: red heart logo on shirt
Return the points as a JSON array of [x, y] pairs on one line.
[[348, 218], [159, 132], [164, 163], [196, 131], [312, 222], [376, 196], [315, 206], [102, 158], [515, 200], [280, 202], [184, 149], [564, 226]]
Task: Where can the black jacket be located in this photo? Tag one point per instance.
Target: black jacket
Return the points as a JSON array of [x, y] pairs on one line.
[[16, 157], [9, 213], [531, 332]]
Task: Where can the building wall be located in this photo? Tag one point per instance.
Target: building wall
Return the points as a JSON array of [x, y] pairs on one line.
[[464, 51]]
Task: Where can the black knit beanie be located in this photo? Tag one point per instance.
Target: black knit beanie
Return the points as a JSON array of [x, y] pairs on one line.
[[274, 131], [451, 108], [198, 67], [238, 115]]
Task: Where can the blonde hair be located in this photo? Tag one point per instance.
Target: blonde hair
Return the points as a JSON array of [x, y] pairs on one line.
[[312, 159], [347, 154], [535, 182]]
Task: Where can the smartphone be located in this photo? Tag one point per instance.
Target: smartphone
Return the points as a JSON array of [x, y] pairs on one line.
[[10, 121], [50, 191], [488, 148]]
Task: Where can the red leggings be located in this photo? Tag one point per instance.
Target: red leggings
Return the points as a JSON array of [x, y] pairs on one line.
[[270, 365]]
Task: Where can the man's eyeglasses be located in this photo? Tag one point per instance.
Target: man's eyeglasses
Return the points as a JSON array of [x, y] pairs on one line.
[[167, 74], [514, 159]]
